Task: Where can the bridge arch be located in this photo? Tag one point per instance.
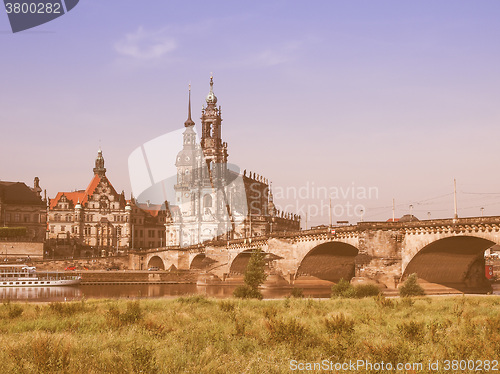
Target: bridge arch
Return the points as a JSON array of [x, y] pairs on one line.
[[240, 262], [201, 261], [156, 261], [456, 261], [330, 261]]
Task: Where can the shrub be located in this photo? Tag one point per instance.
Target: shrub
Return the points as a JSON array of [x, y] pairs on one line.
[[340, 325], [414, 331], [297, 292], [67, 309], [366, 290], [194, 299], [143, 360], [344, 289], [247, 292], [12, 232], [227, 306], [131, 315], [384, 302], [289, 331], [48, 354], [410, 287], [15, 311]]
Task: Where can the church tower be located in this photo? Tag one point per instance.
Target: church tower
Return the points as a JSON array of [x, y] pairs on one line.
[[99, 169], [214, 149]]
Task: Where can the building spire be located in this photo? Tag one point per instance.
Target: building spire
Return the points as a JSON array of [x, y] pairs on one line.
[[99, 169], [211, 98], [189, 122]]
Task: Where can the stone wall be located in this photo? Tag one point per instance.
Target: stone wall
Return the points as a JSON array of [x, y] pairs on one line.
[[15, 250]]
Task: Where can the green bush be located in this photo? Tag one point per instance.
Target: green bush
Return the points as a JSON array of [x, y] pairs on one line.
[[384, 302], [67, 309], [131, 315], [366, 290], [413, 331], [12, 232], [286, 331], [340, 325], [344, 289], [410, 287], [14, 310], [297, 292], [247, 292]]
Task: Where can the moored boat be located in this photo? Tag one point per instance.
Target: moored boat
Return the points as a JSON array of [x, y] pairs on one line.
[[19, 275]]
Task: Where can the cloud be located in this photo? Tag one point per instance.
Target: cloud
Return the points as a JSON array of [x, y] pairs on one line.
[[272, 56], [145, 45]]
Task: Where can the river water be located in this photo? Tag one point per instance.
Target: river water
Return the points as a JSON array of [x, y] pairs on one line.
[[67, 293]]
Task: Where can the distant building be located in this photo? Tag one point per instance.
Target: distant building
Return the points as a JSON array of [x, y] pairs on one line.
[[204, 206], [22, 206], [99, 218]]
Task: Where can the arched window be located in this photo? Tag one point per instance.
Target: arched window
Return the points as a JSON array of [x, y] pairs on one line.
[[207, 201]]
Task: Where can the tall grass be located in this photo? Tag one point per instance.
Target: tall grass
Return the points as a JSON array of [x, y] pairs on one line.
[[200, 335]]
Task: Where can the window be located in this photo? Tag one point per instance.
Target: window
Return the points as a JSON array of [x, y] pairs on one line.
[[52, 229], [36, 218], [26, 218], [63, 228], [17, 217], [7, 217], [207, 201]]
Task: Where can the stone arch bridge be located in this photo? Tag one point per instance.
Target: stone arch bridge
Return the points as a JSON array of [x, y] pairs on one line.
[[446, 251]]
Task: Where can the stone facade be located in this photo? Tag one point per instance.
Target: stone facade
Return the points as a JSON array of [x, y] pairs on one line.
[[22, 206]]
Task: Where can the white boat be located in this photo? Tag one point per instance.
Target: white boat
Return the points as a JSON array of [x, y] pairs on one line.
[[25, 276]]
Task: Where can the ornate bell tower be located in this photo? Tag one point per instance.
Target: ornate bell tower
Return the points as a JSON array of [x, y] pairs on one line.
[[214, 149]]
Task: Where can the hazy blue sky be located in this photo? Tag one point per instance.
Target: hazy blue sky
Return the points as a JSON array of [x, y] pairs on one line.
[[398, 95]]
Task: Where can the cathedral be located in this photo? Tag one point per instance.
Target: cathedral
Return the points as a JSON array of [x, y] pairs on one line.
[[213, 199]]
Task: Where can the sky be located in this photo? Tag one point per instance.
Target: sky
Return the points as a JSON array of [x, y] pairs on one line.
[[368, 101]]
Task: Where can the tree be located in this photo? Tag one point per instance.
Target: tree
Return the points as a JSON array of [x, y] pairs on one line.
[[255, 275], [410, 287]]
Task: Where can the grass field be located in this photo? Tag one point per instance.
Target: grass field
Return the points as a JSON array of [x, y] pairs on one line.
[[198, 335]]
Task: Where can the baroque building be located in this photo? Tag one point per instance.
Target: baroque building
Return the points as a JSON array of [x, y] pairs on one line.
[[99, 219], [213, 200], [22, 206]]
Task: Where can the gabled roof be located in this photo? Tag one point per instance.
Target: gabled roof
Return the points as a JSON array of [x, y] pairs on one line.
[[18, 193], [81, 195]]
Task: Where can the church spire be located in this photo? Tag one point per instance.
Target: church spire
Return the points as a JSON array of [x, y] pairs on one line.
[[211, 98], [189, 122], [99, 169]]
